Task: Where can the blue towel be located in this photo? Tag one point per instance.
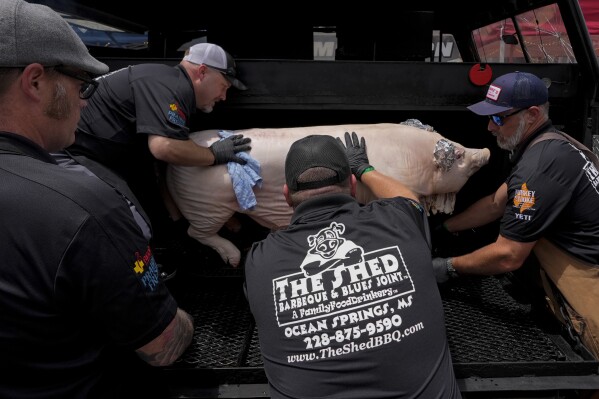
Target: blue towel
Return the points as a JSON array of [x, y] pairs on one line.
[[244, 177]]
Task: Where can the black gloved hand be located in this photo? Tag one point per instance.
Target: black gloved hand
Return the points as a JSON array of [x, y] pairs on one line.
[[356, 153], [225, 150], [443, 269]]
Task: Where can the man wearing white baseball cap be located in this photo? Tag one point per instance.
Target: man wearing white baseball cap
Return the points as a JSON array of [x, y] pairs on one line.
[[139, 121]]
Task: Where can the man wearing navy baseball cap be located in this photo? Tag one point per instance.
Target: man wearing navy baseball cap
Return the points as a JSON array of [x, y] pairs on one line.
[[507, 96], [548, 205]]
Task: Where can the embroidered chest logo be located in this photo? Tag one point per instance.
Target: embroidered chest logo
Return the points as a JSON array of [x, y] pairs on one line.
[[176, 115]]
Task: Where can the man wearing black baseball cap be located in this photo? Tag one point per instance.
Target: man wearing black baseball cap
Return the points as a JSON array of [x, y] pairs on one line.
[[139, 121], [548, 205], [319, 289], [79, 287]]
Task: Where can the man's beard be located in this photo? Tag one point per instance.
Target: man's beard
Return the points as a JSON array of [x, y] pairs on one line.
[[511, 143], [59, 108]]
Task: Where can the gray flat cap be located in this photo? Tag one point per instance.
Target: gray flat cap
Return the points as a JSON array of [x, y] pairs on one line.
[[34, 33]]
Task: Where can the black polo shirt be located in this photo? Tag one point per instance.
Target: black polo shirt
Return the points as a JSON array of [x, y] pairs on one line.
[[76, 277], [553, 192], [130, 104], [347, 305]]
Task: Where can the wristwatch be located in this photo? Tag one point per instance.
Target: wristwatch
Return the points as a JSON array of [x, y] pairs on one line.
[[450, 270]]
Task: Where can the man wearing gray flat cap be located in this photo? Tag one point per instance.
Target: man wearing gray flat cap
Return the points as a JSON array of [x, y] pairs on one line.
[[76, 264]]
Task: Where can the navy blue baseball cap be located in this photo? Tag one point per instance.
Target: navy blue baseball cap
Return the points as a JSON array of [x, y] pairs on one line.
[[512, 91]]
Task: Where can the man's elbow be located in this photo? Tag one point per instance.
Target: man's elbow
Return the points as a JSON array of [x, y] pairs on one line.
[[509, 265], [161, 148], [165, 349]]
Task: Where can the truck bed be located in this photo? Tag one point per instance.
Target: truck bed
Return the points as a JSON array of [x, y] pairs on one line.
[[503, 345]]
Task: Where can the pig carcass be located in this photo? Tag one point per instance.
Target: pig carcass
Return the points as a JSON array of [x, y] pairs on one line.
[[432, 166]]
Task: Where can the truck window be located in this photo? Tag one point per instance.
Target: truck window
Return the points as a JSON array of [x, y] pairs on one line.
[[536, 36], [96, 34]]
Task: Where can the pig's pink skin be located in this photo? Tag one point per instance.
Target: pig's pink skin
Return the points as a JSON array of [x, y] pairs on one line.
[[205, 195]]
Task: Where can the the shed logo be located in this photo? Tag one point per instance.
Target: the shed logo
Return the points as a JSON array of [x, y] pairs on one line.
[[328, 249], [338, 277]]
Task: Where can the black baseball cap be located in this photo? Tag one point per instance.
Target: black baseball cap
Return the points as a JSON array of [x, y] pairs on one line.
[[316, 151]]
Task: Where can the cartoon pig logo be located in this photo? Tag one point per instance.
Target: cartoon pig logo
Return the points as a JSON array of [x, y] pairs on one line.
[[328, 249]]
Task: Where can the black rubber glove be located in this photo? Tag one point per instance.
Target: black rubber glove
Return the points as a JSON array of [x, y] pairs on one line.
[[356, 153], [440, 270], [443, 269], [226, 150]]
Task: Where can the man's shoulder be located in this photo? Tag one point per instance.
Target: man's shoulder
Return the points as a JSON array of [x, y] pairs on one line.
[[551, 152], [553, 158], [155, 70], [87, 192]]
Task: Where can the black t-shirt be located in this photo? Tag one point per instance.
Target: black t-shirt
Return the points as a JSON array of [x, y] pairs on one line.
[[347, 305], [76, 277], [553, 192], [130, 104]]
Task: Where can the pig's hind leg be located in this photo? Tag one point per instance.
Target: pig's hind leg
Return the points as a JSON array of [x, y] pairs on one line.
[[204, 228]]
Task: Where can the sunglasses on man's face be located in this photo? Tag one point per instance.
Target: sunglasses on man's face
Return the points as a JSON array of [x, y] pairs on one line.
[[499, 120], [89, 85]]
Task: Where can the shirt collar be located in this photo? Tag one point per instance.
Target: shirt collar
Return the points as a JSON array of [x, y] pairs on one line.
[[320, 205], [519, 150], [17, 144]]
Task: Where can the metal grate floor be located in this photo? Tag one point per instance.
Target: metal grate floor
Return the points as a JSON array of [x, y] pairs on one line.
[[485, 325]]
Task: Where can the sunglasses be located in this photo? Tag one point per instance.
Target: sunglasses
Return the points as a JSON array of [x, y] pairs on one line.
[[230, 71], [89, 85], [499, 119]]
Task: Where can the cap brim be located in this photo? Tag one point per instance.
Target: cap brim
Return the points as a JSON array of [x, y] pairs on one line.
[[95, 67], [235, 82], [485, 108]]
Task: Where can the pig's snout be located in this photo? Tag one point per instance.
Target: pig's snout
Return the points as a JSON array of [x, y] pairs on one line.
[[478, 159]]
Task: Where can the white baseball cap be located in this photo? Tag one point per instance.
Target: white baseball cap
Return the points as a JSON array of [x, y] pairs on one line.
[[215, 57]]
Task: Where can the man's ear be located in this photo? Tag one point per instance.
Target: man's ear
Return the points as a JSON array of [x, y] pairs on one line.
[[32, 77], [287, 196], [354, 184], [534, 112]]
